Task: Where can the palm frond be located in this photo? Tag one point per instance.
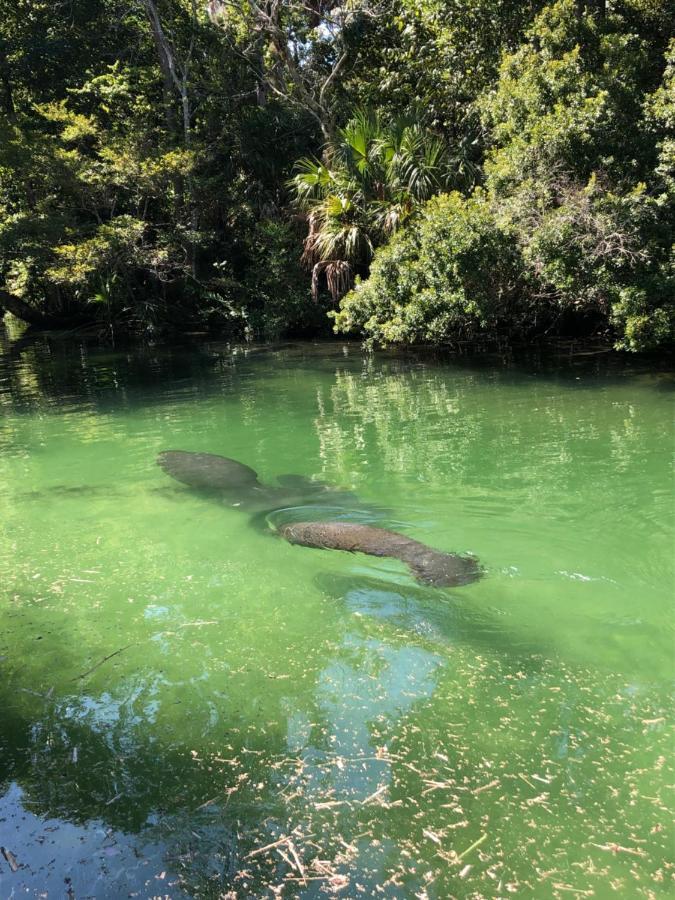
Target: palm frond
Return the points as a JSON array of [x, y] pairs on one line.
[[373, 177]]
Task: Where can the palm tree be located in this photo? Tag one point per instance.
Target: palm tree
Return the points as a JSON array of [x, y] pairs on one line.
[[371, 180]]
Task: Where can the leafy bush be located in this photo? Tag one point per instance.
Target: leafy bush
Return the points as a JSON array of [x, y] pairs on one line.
[[452, 275], [574, 178]]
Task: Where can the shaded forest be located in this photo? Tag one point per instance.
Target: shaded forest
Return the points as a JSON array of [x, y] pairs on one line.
[[404, 171]]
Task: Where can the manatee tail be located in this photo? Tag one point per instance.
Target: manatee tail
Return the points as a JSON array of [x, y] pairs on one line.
[[439, 569]]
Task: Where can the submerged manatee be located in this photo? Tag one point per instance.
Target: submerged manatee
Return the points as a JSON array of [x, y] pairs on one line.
[[429, 566], [207, 471], [233, 480]]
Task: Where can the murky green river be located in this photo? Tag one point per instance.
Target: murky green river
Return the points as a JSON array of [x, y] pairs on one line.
[[192, 707]]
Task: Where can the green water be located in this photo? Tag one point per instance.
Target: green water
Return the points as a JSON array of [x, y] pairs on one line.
[[180, 687]]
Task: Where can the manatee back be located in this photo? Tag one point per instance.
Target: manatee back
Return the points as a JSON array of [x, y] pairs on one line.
[[206, 471], [429, 566]]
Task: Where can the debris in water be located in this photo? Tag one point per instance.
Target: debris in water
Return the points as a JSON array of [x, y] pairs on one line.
[[11, 859], [105, 659]]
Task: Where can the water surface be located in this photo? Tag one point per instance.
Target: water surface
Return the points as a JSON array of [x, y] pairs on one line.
[[180, 688]]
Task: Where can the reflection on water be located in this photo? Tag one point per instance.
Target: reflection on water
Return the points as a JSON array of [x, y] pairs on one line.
[[55, 855], [192, 707]]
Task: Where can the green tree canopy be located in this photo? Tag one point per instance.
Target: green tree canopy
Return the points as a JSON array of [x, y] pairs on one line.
[[578, 178]]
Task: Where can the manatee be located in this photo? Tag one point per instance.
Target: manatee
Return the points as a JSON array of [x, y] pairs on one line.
[[223, 476], [234, 480], [428, 566], [207, 471]]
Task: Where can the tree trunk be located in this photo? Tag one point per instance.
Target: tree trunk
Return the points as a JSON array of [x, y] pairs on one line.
[[167, 89], [176, 73], [165, 65], [7, 92], [31, 315]]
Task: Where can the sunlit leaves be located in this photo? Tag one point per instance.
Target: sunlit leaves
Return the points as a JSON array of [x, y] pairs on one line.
[[372, 178], [448, 276], [576, 198]]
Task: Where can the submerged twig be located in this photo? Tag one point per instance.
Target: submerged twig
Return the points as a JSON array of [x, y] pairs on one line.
[[295, 856], [283, 840], [486, 787], [11, 859], [382, 788], [100, 663], [473, 846]]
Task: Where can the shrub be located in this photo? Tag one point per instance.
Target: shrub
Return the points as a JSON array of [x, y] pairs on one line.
[[451, 275]]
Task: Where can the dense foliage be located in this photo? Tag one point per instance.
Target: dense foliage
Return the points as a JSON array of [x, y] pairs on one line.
[[234, 166], [573, 227], [369, 183], [452, 273]]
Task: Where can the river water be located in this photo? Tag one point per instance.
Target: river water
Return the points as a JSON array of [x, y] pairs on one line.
[[180, 688]]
